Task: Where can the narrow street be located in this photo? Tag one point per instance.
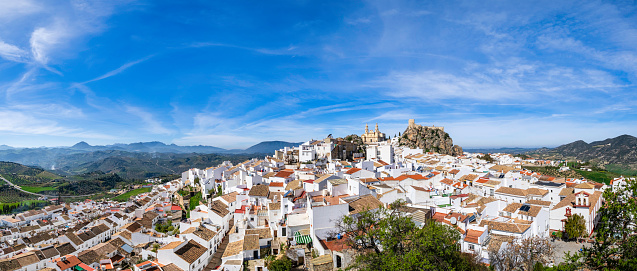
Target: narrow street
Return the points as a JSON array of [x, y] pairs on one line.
[[216, 258]]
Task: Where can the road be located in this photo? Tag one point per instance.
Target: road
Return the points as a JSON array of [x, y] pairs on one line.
[[42, 195]]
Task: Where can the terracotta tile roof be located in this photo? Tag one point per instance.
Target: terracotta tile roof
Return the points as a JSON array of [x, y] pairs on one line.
[[189, 230], [585, 186], [593, 200], [274, 206], [473, 236], [50, 252], [233, 248], [482, 180], [204, 233], [76, 240], [511, 191], [276, 196], [171, 245], [293, 185], [87, 235], [219, 208], [468, 177], [533, 211], [536, 191], [259, 190], [89, 257], [367, 202], [447, 181], [124, 233], [65, 248], [502, 168], [9, 265], [336, 244], [454, 171], [566, 191], [147, 220], [369, 180], [353, 170], [68, 263], [497, 240], [512, 208], [539, 202], [251, 242], [322, 260], [191, 251], [276, 184], [171, 267], [492, 183], [26, 259], [283, 174], [231, 197], [263, 233], [505, 226], [132, 227], [103, 249], [269, 174]]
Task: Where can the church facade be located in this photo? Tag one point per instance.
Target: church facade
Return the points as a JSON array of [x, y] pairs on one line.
[[372, 137]]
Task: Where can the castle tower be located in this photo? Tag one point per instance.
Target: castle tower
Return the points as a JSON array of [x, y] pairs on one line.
[[412, 123]]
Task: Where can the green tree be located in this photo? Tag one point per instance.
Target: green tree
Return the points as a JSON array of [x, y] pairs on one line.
[[527, 254], [219, 190], [487, 157], [575, 226], [387, 239], [283, 264], [615, 234]]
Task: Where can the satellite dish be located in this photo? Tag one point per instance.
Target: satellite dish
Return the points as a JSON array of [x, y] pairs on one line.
[[454, 221]]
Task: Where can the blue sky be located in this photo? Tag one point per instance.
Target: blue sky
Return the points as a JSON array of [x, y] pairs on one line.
[[234, 73]]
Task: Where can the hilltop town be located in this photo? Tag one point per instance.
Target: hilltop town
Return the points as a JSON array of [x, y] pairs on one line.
[[236, 216]]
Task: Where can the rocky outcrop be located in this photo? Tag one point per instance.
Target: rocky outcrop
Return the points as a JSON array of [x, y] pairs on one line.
[[429, 139]]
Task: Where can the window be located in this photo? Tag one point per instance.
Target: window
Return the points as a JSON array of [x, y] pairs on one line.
[[338, 261], [471, 247], [283, 231]]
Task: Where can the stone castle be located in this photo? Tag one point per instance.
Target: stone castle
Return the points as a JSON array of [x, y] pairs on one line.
[[412, 124]]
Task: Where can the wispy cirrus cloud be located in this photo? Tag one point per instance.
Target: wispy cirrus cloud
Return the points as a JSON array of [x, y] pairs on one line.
[[13, 53], [151, 124], [119, 70]]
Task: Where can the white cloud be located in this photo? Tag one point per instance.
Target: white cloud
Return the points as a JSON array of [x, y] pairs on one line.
[[150, 123], [357, 21], [118, 70], [11, 9], [20, 123], [13, 53], [45, 40], [434, 85]]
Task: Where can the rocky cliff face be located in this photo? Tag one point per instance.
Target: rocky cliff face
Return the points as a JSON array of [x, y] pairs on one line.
[[430, 140]]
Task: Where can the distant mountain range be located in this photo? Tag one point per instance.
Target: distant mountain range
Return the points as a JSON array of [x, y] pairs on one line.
[[155, 146], [136, 160], [618, 152], [500, 150]]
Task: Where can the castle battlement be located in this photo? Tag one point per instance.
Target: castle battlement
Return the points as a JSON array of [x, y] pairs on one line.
[[412, 123]]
